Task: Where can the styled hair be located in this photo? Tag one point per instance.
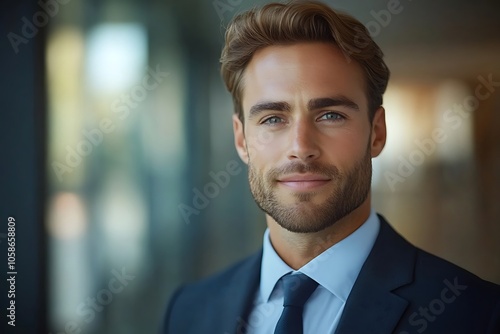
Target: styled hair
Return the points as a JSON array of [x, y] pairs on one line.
[[295, 22]]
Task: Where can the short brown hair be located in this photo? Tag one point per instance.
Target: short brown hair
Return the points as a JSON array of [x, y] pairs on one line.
[[295, 22]]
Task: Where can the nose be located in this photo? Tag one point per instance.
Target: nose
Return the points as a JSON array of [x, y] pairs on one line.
[[303, 141]]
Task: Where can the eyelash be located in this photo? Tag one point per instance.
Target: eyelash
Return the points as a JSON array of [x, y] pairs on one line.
[[266, 121], [338, 116]]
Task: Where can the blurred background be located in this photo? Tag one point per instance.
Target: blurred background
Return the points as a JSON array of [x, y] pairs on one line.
[[119, 166]]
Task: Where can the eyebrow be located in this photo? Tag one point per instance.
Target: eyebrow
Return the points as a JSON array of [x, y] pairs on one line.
[[323, 102], [337, 101], [262, 106]]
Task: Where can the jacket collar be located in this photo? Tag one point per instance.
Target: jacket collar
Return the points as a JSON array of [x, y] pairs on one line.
[[372, 306], [239, 296]]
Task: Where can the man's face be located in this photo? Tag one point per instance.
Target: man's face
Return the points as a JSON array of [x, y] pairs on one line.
[[307, 137]]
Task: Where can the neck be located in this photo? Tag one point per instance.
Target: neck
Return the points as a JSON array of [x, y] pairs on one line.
[[297, 249]]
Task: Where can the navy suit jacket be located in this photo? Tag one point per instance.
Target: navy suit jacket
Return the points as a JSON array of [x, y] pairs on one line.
[[400, 289]]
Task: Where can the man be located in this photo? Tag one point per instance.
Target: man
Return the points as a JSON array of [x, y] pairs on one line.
[[307, 84]]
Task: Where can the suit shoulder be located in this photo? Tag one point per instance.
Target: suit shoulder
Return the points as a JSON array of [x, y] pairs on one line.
[[451, 295], [428, 269], [208, 302], [220, 279], [431, 266], [207, 288]]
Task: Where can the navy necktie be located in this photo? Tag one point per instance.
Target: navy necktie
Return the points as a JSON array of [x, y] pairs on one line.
[[297, 290]]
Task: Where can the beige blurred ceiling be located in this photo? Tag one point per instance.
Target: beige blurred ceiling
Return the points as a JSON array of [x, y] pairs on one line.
[[425, 38]]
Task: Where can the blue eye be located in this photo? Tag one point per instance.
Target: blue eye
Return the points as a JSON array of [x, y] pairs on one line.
[[332, 116], [272, 120]]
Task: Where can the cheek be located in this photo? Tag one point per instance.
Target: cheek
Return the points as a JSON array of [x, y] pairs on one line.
[[345, 148], [264, 148]]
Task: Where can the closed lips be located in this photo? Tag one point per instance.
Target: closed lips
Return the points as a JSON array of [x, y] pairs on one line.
[[303, 178], [303, 181]]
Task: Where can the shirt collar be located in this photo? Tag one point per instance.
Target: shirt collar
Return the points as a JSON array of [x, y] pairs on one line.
[[336, 269]]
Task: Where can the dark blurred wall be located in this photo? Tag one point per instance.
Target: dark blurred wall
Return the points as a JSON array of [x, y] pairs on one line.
[[22, 139]]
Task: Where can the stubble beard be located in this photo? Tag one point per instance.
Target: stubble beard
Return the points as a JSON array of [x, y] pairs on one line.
[[350, 190]]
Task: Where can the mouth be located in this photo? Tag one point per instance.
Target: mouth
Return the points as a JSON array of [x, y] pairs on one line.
[[304, 181]]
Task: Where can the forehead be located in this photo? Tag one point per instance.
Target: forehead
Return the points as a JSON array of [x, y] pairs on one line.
[[302, 70]]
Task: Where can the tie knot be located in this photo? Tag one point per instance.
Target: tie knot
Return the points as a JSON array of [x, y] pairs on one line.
[[297, 289]]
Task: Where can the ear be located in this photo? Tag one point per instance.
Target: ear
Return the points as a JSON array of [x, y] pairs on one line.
[[378, 133], [239, 139]]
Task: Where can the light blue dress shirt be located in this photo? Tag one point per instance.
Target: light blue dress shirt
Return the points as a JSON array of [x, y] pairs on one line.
[[336, 270]]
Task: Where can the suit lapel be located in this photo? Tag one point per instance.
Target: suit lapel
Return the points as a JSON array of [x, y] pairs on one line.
[[239, 295], [372, 307]]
